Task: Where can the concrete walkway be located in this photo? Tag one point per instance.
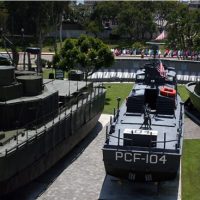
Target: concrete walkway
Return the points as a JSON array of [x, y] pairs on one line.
[[192, 130]]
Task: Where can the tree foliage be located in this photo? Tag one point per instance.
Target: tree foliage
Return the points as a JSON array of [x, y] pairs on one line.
[[86, 53], [36, 18], [162, 11], [139, 21], [184, 28], [3, 15]]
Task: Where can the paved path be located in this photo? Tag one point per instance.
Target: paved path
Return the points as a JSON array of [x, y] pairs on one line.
[[192, 130], [83, 178]]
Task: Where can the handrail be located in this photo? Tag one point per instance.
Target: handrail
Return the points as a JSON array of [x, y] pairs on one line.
[[150, 144], [92, 96], [128, 139], [180, 124]]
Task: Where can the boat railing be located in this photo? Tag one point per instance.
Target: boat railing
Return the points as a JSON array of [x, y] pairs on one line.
[[113, 119], [55, 117], [152, 143], [180, 124]]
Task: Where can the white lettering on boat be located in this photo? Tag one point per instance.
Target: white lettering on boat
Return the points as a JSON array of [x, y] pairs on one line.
[[136, 157]]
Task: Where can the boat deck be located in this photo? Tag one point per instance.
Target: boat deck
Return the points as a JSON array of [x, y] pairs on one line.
[[64, 87], [161, 124]]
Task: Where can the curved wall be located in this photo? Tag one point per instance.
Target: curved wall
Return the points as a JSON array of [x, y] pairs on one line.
[[130, 63]]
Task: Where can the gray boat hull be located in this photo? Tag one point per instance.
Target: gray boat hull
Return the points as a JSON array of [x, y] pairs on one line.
[[141, 166], [47, 160], [194, 97]]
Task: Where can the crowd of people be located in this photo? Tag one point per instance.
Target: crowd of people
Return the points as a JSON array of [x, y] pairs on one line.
[[167, 53]]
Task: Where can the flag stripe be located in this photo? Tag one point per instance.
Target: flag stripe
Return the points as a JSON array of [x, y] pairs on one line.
[[161, 69]]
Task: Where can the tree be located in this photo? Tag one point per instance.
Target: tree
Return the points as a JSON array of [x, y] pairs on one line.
[[37, 18], [3, 15], [58, 11], [183, 27], [162, 11], [86, 53], [68, 55], [136, 20]]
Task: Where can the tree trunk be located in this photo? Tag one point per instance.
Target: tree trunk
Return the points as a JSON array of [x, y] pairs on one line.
[[55, 39], [39, 63], [60, 30]]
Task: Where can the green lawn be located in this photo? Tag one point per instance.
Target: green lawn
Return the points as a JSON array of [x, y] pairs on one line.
[[46, 73], [113, 91], [183, 92], [191, 170], [122, 90]]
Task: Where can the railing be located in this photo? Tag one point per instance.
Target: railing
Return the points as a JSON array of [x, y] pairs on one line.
[[56, 117], [180, 127], [113, 121], [150, 144]]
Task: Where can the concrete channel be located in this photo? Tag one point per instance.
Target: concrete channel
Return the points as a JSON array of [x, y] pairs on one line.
[[81, 176]]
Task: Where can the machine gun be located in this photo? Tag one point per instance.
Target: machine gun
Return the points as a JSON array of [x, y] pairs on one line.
[[147, 118]]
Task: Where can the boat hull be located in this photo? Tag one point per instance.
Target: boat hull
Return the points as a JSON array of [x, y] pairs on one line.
[[141, 166], [52, 141], [47, 160], [195, 99]]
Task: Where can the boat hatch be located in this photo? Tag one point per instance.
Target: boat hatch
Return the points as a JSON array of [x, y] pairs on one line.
[[139, 137]]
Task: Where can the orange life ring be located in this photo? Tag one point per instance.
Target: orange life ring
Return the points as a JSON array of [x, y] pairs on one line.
[[169, 92]]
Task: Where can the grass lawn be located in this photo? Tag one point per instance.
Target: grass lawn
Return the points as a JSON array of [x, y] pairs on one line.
[[115, 90], [183, 92], [122, 90], [191, 170], [46, 73]]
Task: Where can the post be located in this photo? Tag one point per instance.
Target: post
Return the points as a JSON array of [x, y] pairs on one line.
[[114, 115], [69, 86], [118, 102], [118, 136], [164, 141], [106, 133], [22, 32]]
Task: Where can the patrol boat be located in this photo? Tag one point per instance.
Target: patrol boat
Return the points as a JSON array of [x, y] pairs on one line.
[[145, 135], [193, 89], [41, 121]]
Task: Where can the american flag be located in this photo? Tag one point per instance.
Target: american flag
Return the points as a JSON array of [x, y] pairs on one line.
[[161, 69]]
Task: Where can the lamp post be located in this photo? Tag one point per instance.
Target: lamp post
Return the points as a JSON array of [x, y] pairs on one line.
[[22, 32]]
